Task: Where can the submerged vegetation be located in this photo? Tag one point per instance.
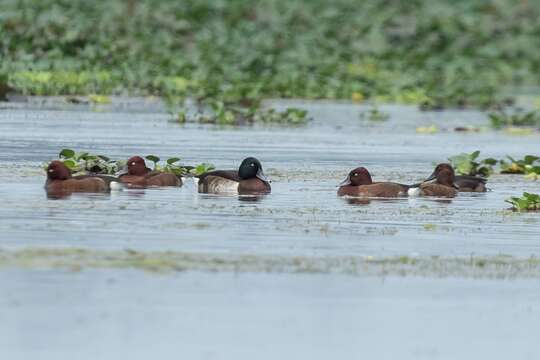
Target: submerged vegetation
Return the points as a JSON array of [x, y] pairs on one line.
[[431, 53], [78, 259], [527, 202], [82, 163]]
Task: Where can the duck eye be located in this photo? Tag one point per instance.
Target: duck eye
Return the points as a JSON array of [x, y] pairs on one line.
[[355, 174], [133, 163], [252, 164]]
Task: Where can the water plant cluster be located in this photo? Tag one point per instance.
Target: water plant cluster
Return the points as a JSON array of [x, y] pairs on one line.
[[517, 117], [527, 202], [223, 114], [470, 164], [82, 163], [432, 53]]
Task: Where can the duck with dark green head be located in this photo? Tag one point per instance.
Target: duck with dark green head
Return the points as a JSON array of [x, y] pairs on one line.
[[248, 179]]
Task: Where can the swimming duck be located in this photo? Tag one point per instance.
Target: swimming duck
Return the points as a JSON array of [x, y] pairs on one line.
[[248, 179], [60, 180], [464, 183], [443, 186], [139, 176], [359, 183]]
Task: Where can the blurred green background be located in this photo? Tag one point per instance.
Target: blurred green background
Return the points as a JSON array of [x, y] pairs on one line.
[[430, 52]]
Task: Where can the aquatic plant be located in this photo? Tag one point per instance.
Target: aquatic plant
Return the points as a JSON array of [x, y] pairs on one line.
[[529, 164], [240, 51], [201, 168], [81, 163], [374, 114], [173, 165], [84, 162], [527, 202], [514, 118], [223, 114], [431, 129], [467, 164]]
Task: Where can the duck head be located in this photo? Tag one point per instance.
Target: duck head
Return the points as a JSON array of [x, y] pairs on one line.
[[136, 166], [57, 170], [357, 177], [251, 168], [446, 177], [438, 169]]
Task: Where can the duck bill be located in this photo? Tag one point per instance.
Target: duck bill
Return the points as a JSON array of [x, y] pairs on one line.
[[433, 176], [260, 175], [345, 182], [122, 171]]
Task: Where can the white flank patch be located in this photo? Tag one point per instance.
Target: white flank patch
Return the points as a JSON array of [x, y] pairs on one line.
[[415, 191], [116, 186]]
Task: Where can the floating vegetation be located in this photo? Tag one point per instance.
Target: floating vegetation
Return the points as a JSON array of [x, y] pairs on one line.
[[517, 117], [527, 202], [222, 114], [374, 114], [173, 165], [431, 129], [467, 164], [529, 164], [82, 163]]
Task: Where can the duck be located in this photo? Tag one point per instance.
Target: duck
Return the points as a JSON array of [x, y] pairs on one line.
[[139, 176], [61, 181], [442, 186], [248, 179], [359, 183], [464, 183]]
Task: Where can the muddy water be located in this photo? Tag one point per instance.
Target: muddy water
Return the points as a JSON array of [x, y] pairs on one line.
[[105, 310], [301, 217]]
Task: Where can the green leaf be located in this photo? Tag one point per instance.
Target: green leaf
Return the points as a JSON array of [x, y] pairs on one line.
[[67, 153], [71, 164], [490, 161], [172, 160], [152, 158], [529, 159]]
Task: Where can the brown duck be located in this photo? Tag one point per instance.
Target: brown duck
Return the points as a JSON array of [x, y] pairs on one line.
[[139, 176]]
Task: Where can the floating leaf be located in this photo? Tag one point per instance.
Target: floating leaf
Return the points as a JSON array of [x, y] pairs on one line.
[[67, 153], [152, 158], [171, 161]]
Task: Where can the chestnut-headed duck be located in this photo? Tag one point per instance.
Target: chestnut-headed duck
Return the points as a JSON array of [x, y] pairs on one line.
[[60, 180], [359, 183], [442, 186], [248, 179], [139, 176], [464, 183]]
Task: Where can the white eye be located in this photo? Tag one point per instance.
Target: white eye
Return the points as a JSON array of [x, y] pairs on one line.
[[252, 164], [133, 163], [51, 170], [355, 174]]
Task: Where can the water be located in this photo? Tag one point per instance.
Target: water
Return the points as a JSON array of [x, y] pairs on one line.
[[99, 313], [303, 216]]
